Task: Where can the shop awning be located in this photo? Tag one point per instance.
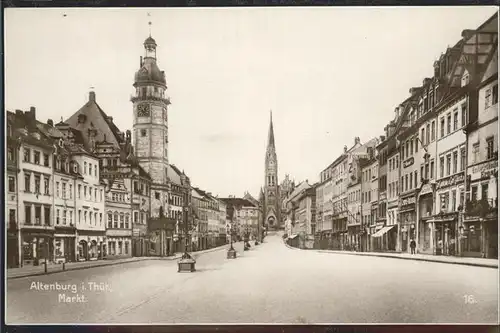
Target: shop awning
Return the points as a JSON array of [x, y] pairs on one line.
[[382, 231], [292, 236]]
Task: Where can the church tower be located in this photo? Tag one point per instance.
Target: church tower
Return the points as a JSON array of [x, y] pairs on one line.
[[150, 129], [272, 205]]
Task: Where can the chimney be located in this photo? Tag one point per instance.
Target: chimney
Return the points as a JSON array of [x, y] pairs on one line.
[[140, 62], [356, 140], [382, 138], [426, 81], [50, 122], [92, 96], [110, 119], [467, 33], [33, 112], [413, 90], [436, 68], [345, 149], [19, 112]]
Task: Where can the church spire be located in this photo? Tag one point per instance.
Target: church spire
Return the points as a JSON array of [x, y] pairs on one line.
[[270, 140]]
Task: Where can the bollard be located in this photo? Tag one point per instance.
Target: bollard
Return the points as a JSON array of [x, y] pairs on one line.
[[45, 265], [64, 266]]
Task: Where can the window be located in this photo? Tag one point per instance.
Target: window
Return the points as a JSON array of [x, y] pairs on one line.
[[84, 168], [484, 191], [411, 181], [422, 168], [64, 217], [37, 157], [79, 191], [453, 200], [85, 217], [27, 153], [448, 123], [441, 167], [64, 190], [416, 178], [473, 195], [494, 95], [489, 148], [85, 192], [70, 217], [27, 180], [27, 214], [110, 220], [487, 98], [422, 136], [127, 221], [475, 153], [12, 184], [38, 215], [157, 195], [47, 215], [433, 130], [406, 182], [448, 164], [462, 197], [46, 185], [126, 247], [416, 144], [428, 133], [95, 194], [115, 221], [143, 132], [57, 216], [455, 161], [442, 126], [95, 218], [90, 218], [37, 184], [464, 114], [46, 160], [462, 159], [70, 191], [455, 119], [122, 220], [57, 190], [432, 169], [90, 169], [10, 154], [100, 218], [79, 216], [136, 217], [95, 170]]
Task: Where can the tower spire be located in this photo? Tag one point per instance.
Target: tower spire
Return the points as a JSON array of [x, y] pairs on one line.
[[270, 140]]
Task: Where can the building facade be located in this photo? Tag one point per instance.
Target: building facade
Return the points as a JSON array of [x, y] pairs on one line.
[[272, 197]]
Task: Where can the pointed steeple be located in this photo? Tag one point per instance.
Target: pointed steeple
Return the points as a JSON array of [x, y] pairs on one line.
[[270, 140]]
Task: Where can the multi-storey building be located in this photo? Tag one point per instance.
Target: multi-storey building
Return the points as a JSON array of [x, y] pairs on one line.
[[480, 223], [324, 223], [35, 190], [245, 216], [222, 218], [11, 195], [297, 214], [367, 186], [306, 217], [200, 209]]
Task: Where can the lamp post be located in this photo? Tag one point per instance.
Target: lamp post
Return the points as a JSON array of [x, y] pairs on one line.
[[186, 263]]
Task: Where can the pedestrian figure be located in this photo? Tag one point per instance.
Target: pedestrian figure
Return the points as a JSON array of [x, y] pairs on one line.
[[413, 245]]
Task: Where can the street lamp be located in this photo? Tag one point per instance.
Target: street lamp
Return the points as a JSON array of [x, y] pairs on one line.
[[187, 263], [231, 253]]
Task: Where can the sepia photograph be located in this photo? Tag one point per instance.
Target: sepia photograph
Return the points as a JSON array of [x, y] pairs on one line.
[[256, 165]]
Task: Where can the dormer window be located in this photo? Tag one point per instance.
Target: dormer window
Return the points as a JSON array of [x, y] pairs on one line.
[[82, 118], [465, 79], [75, 168]]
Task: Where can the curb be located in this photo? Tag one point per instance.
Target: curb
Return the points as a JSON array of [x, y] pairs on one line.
[[175, 257], [393, 257]]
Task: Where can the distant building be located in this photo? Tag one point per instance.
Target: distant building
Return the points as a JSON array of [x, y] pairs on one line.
[[272, 197]]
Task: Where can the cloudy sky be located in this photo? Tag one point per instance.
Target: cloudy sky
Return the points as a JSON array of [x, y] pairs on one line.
[[328, 75]]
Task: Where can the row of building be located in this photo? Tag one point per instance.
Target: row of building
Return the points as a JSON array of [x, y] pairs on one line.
[[82, 189], [432, 177]]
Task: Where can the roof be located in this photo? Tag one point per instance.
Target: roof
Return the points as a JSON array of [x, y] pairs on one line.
[[270, 139], [174, 175], [238, 202]]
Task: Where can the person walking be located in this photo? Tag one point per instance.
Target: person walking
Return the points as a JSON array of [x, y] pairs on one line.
[[413, 245]]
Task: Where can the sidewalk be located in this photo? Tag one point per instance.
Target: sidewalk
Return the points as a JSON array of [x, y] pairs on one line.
[[15, 273], [480, 262]]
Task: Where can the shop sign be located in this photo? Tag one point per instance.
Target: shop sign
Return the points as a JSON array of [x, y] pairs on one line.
[[485, 167], [408, 201], [452, 180], [408, 162]]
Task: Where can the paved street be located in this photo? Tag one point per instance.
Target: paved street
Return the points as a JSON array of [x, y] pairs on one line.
[[268, 284]]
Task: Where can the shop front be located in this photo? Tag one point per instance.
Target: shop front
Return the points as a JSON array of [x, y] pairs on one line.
[[480, 237], [139, 240], [407, 218], [12, 246], [161, 236], [444, 234], [37, 246], [353, 234], [64, 244], [90, 245]]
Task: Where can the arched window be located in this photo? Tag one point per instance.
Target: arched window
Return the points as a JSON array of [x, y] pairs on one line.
[[122, 220], [127, 220], [110, 220], [115, 224]]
